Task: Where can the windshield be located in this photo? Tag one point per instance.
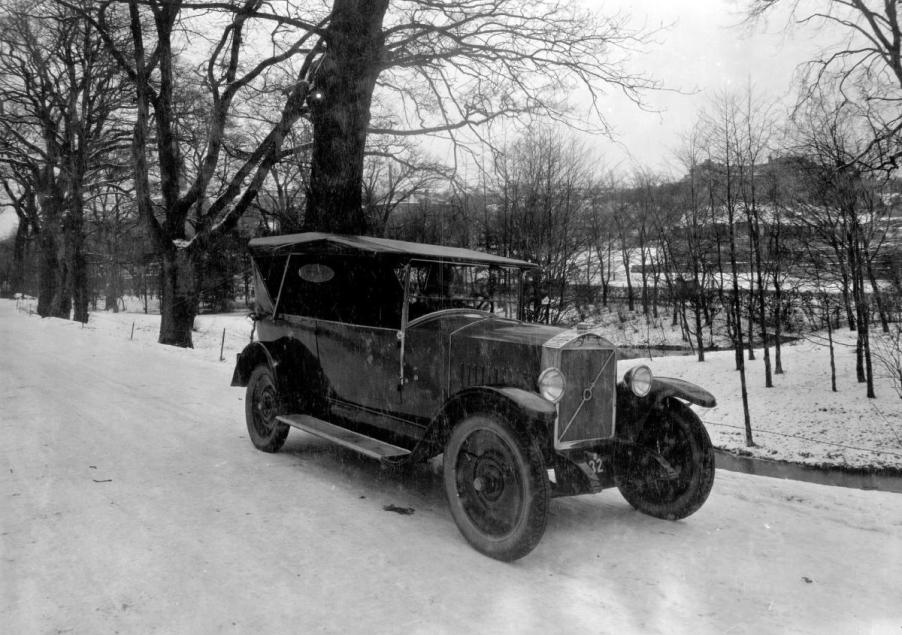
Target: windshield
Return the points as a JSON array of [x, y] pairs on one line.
[[435, 286]]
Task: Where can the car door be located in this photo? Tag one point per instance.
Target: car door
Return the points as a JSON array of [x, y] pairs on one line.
[[357, 337]]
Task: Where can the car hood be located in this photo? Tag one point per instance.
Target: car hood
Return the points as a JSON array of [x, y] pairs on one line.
[[522, 333], [505, 352], [507, 331]]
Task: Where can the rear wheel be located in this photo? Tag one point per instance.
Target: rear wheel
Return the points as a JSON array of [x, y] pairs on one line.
[[262, 404], [670, 470], [497, 486]]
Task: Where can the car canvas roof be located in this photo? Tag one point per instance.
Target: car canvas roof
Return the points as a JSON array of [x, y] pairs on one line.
[[338, 243]]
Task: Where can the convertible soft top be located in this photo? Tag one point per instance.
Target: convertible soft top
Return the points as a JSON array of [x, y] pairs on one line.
[[337, 243]]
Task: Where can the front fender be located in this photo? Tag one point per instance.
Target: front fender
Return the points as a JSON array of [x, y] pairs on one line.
[[664, 387], [522, 404], [632, 411], [527, 410]]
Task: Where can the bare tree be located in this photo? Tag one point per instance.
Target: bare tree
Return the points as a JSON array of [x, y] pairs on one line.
[[543, 178], [601, 231], [191, 211], [754, 132], [840, 208], [723, 125], [453, 66], [865, 67], [447, 68], [645, 209], [60, 92], [623, 223], [18, 184], [696, 234], [282, 199], [393, 174]]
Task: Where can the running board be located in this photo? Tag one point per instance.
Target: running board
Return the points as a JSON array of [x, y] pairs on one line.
[[369, 446]]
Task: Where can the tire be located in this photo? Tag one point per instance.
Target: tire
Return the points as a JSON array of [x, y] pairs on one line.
[[497, 486], [679, 437], [262, 403]]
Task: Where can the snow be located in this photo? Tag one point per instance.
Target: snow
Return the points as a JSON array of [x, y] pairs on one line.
[[134, 502], [799, 419]]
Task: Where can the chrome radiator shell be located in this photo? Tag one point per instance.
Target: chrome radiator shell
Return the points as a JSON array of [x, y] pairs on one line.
[[586, 412]]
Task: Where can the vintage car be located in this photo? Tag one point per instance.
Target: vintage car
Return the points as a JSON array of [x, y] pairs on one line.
[[406, 351]]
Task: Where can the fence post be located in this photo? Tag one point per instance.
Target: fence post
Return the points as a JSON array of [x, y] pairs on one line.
[[132, 336], [222, 346]]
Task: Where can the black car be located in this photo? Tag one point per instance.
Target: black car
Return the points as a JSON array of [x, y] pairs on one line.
[[405, 351]]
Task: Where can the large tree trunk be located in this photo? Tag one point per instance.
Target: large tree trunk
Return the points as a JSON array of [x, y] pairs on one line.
[[20, 251], [75, 284], [51, 271], [48, 274], [340, 111], [113, 290], [178, 297]]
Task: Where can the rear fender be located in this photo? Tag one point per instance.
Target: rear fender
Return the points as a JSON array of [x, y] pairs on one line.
[[296, 369], [253, 355]]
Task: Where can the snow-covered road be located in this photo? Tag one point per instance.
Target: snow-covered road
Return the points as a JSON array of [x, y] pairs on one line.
[[131, 500]]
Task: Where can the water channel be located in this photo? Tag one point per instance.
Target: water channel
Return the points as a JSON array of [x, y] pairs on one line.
[[798, 472]]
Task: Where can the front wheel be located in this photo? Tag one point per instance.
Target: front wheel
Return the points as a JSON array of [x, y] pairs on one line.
[[262, 404], [497, 486], [669, 471]]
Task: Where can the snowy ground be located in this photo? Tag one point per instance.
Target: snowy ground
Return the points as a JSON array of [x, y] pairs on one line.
[[132, 501], [799, 420]]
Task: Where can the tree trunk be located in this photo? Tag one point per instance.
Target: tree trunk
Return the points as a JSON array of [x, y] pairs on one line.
[[75, 285], [699, 329], [178, 297], [751, 314], [830, 340], [846, 296], [878, 297], [778, 327], [48, 274], [340, 112], [644, 278], [62, 300], [629, 281], [20, 249], [113, 285]]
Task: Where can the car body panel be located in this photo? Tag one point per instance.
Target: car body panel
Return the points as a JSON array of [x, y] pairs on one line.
[[342, 312]]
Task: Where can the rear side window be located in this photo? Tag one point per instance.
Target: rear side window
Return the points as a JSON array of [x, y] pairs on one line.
[[353, 290]]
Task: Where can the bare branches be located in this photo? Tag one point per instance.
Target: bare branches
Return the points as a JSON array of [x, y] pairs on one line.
[[464, 65], [864, 69]]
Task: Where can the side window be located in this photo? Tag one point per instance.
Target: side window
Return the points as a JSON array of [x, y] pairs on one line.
[[306, 288], [351, 290], [271, 268], [436, 285], [374, 293]]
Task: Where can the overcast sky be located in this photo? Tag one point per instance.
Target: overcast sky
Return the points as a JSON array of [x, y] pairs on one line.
[[706, 49]]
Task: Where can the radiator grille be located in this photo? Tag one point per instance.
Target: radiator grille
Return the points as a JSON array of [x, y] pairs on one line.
[[586, 412]]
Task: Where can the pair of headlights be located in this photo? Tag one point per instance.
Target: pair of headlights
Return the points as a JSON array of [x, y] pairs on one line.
[[552, 383]]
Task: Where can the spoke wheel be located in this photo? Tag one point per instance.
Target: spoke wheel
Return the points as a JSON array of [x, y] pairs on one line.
[[262, 404], [496, 486], [670, 471]]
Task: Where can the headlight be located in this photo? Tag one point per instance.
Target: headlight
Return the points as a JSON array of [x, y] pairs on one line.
[[552, 384], [639, 379]]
